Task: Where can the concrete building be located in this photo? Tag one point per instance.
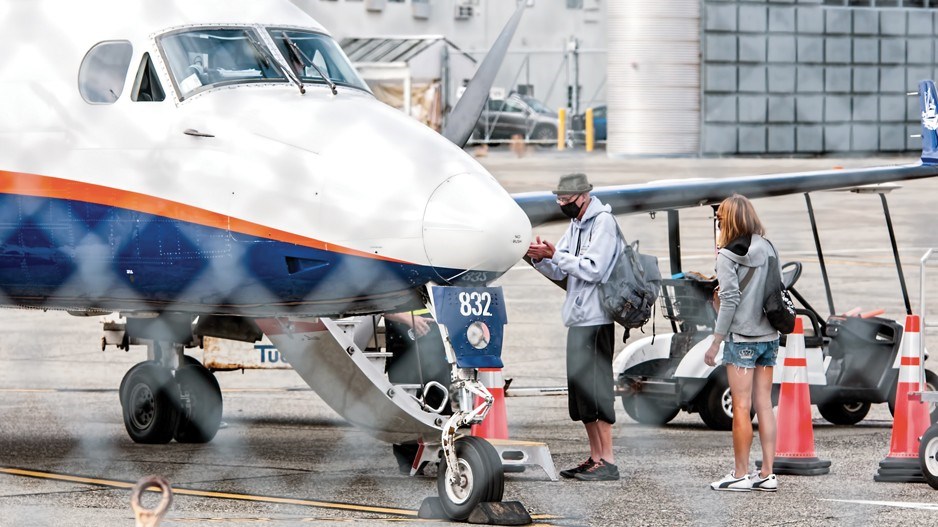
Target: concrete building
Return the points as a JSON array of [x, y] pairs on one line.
[[539, 56], [692, 77]]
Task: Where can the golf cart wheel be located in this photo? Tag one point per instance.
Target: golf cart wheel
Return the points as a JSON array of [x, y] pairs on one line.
[[481, 479], [715, 403], [648, 411], [844, 413], [931, 385], [928, 456]]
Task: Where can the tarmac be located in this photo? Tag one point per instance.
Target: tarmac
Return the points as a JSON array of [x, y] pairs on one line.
[[284, 458]]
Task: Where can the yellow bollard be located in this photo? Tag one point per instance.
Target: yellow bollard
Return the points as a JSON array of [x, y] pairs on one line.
[[561, 128], [590, 131]]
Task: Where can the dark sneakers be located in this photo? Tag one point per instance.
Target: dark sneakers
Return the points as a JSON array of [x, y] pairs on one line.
[[572, 472], [602, 471]]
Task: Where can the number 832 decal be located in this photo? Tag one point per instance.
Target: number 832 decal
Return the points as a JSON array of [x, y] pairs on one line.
[[475, 303]]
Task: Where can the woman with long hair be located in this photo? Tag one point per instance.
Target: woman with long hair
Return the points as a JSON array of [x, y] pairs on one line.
[[750, 343]]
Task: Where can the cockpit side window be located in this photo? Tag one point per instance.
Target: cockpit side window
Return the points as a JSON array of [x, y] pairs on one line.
[[147, 86], [103, 72]]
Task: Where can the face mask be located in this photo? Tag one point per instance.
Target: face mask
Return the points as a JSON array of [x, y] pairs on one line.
[[570, 210]]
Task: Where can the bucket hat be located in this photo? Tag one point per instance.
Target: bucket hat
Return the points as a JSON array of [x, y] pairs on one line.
[[573, 184]]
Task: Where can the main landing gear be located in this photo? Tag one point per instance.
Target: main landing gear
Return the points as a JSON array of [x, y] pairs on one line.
[[161, 403]]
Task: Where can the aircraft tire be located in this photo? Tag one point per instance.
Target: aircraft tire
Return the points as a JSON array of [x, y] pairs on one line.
[[188, 360], [928, 455], [483, 479], [200, 404], [497, 489], [123, 385], [931, 385], [844, 413], [647, 411], [149, 402]]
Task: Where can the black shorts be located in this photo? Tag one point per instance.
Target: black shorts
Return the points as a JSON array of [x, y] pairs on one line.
[[589, 373]]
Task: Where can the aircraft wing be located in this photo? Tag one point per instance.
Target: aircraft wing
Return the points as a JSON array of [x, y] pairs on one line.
[[541, 207]]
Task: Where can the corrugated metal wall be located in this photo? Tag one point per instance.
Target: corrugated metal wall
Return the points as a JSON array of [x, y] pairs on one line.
[[653, 91]]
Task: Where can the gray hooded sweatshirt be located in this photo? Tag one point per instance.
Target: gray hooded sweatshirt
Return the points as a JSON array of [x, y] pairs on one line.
[[741, 311], [587, 268]]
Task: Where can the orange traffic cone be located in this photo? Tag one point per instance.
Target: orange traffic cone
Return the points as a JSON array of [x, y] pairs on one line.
[[911, 418], [795, 451], [495, 424]]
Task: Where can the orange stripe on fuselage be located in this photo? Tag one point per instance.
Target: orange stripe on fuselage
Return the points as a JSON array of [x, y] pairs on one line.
[[22, 184]]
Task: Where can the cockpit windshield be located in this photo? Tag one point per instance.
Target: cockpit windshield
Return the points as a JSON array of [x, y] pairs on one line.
[[203, 58], [311, 54]]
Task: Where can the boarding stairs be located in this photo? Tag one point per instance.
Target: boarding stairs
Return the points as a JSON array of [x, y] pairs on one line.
[[344, 363]]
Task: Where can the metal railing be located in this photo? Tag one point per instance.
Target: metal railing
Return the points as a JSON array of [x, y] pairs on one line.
[[925, 325]]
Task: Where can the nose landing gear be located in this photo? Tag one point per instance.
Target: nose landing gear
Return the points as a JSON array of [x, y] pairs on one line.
[[481, 478]]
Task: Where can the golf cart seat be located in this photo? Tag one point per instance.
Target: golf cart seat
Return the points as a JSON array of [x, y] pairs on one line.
[[686, 301], [791, 271], [814, 327]]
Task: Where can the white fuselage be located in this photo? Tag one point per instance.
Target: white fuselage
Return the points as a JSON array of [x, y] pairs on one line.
[[340, 174]]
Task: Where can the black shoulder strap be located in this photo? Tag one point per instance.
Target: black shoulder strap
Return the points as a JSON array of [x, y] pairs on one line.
[[778, 259], [772, 245], [748, 276]]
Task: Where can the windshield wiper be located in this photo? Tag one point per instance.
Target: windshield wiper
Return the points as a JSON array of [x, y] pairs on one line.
[[268, 58], [303, 59]]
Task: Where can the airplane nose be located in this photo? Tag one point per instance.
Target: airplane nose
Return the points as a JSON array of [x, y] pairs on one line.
[[473, 231]]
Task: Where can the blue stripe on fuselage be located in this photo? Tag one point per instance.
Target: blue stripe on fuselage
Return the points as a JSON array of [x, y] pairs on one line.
[[64, 253]]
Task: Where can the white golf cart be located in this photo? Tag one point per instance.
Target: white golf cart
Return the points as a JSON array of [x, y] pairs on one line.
[[852, 360]]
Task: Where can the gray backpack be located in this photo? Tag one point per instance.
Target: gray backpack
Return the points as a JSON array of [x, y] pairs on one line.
[[629, 293]]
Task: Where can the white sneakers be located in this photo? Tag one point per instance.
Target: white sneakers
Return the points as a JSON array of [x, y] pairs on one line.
[[732, 483], [766, 484], [746, 483]]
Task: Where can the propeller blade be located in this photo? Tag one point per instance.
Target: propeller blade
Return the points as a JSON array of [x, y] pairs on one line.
[[463, 118]]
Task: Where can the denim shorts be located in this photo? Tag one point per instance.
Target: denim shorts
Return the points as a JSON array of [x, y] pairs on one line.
[[750, 354]]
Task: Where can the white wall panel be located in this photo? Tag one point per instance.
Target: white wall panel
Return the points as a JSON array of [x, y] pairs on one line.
[[654, 77]]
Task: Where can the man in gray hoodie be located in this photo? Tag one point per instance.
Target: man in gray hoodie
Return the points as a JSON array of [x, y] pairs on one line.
[[584, 257]]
